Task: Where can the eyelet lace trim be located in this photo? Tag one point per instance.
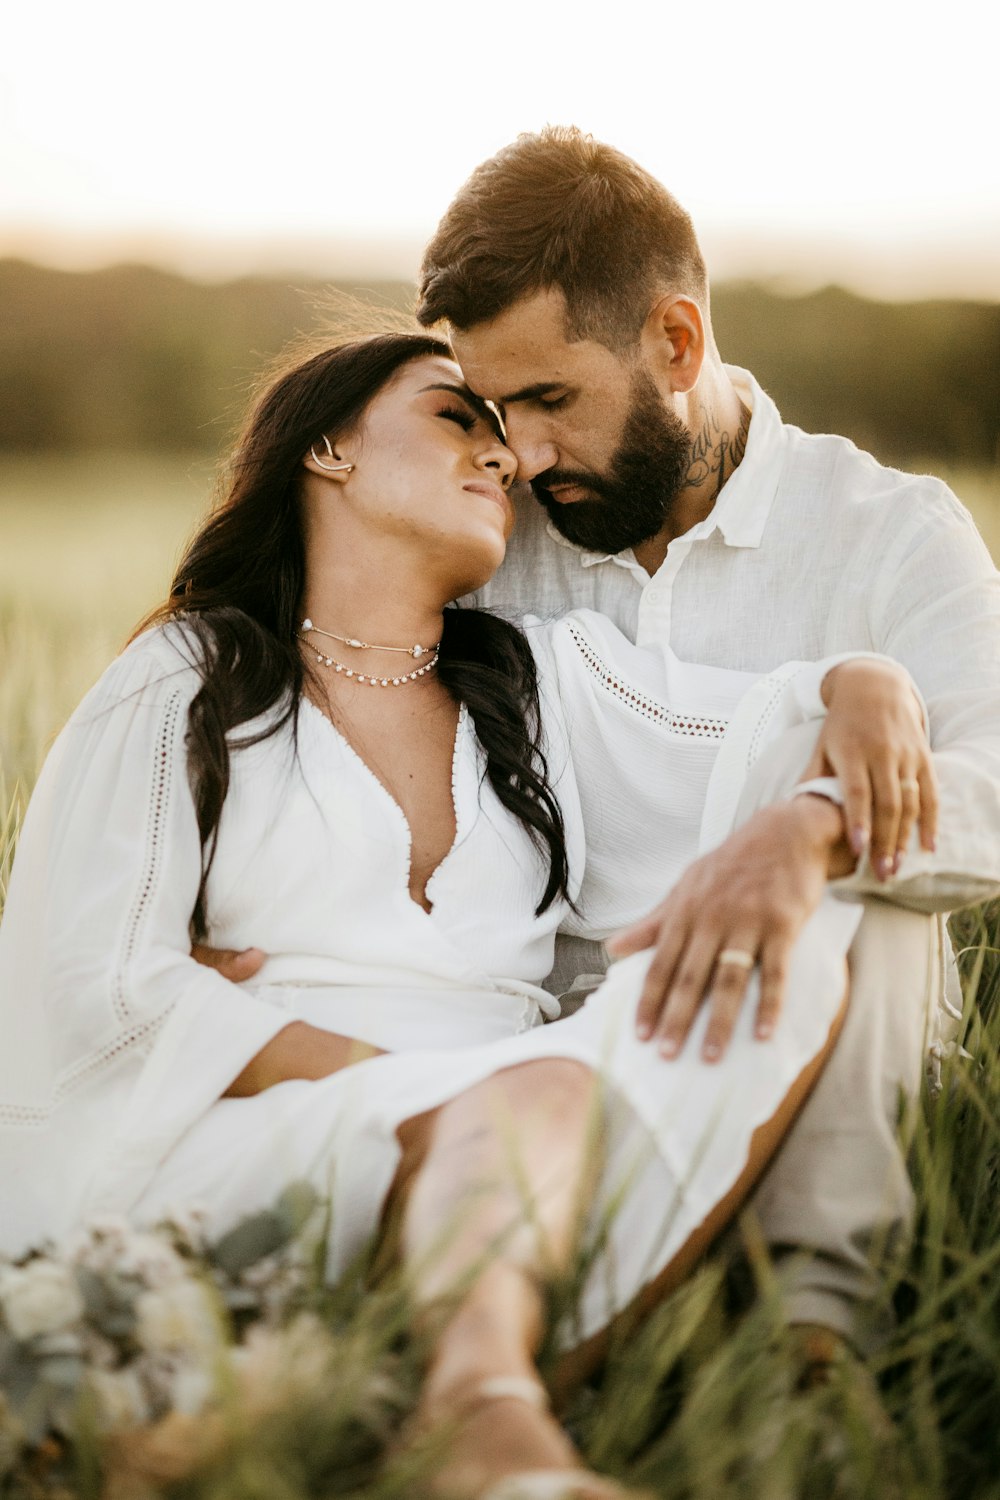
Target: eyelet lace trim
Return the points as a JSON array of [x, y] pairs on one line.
[[163, 770], [27, 1116], [690, 726], [763, 725], [136, 1031]]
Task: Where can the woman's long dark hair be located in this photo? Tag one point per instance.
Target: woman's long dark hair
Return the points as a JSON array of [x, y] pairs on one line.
[[239, 590]]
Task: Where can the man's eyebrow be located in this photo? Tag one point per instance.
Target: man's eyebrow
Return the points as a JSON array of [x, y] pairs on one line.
[[484, 408], [532, 392]]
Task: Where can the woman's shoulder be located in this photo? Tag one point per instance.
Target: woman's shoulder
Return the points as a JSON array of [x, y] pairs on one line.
[[159, 663]]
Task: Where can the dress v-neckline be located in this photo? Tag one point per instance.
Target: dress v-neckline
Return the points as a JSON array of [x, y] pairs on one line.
[[388, 797]]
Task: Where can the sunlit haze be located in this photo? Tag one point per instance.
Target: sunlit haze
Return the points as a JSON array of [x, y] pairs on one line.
[[856, 143]]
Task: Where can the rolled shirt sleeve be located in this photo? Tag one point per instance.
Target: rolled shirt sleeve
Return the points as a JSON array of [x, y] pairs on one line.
[[935, 608]]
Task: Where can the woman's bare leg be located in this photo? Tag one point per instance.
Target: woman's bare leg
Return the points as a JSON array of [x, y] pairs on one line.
[[493, 1207], [505, 1167]]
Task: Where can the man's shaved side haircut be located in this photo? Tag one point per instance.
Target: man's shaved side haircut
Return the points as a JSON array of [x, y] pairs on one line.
[[559, 209]]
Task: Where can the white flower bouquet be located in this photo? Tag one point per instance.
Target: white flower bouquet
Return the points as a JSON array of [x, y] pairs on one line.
[[140, 1340]]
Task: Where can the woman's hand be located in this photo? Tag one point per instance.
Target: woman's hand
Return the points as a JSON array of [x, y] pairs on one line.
[[299, 1051], [236, 965], [874, 741], [750, 897]]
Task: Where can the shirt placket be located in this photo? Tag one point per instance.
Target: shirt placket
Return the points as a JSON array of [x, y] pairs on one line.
[[656, 604]]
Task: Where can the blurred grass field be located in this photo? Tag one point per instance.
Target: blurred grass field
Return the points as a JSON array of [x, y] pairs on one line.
[[89, 543], [701, 1403]]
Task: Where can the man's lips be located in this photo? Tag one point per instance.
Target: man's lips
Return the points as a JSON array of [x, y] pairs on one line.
[[567, 494]]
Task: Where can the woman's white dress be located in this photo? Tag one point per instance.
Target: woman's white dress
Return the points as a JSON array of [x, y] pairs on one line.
[[116, 1045]]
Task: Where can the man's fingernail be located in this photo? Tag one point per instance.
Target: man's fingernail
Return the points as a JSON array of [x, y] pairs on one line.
[[859, 839], [644, 1031]]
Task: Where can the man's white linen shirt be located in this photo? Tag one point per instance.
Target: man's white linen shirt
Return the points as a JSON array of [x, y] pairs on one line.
[[813, 548]]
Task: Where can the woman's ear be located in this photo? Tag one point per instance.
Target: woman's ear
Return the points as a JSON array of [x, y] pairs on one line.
[[673, 342], [323, 459]]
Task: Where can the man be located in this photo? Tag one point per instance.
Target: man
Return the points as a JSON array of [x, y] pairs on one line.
[[668, 494]]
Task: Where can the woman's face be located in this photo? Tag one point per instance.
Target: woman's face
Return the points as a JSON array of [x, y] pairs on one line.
[[430, 470]]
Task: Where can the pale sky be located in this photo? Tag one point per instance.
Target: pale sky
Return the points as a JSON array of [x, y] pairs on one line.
[[856, 141]]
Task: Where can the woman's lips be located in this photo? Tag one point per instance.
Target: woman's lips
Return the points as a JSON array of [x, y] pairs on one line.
[[492, 492]]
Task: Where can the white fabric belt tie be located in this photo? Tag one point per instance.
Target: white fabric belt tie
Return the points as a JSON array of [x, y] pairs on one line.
[[539, 1005]]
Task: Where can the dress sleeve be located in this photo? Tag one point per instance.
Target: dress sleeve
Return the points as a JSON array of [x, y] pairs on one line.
[[95, 962]]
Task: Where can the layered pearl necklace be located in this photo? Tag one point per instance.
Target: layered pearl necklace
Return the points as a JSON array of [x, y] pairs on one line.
[[417, 651]]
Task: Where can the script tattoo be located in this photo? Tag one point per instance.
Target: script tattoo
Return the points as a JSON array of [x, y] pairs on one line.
[[717, 453], [702, 451]]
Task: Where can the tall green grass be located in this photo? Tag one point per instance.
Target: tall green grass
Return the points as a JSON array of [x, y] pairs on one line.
[[700, 1403]]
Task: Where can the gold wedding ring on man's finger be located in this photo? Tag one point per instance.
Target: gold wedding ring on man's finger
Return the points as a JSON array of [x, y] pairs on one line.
[[735, 958]]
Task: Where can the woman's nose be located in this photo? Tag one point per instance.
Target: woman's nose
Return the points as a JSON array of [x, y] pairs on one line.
[[500, 462]]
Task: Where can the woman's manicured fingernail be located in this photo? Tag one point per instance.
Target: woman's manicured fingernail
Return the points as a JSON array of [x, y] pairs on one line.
[[644, 1031], [883, 866], [897, 861], [764, 1030], [711, 1051], [668, 1046], [860, 839]]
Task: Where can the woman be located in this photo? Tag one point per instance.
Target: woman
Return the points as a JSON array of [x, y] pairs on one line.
[[310, 752]]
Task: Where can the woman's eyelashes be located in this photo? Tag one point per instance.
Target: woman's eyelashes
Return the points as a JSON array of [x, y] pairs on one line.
[[460, 414]]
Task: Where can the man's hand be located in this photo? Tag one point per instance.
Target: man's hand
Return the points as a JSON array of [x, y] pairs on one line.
[[874, 741], [232, 964], [751, 896]]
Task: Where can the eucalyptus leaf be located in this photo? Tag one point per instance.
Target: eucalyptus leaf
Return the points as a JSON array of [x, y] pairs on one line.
[[62, 1371], [250, 1241], [297, 1205], [33, 1411], [110, 1301], [9, 1354]]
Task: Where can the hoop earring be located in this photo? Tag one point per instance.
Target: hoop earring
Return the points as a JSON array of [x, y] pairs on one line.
[[330, 468]]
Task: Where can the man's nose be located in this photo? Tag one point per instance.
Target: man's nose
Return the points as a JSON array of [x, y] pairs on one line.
[[534, 450]]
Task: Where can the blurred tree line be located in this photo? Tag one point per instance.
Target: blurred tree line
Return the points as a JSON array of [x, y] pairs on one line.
[[131, 357]]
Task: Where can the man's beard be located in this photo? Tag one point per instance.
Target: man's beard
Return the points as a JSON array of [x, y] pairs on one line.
[[637, 495]]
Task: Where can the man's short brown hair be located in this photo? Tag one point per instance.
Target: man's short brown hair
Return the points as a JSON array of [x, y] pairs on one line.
[[559, 209]]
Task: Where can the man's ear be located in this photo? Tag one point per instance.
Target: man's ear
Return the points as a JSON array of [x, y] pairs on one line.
[[673, 342]]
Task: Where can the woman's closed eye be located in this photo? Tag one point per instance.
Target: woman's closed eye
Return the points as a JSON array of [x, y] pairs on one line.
[[465, 418]]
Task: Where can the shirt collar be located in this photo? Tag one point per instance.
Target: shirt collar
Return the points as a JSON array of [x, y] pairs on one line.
[[588, 559], [740, 513], [745, 500]]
